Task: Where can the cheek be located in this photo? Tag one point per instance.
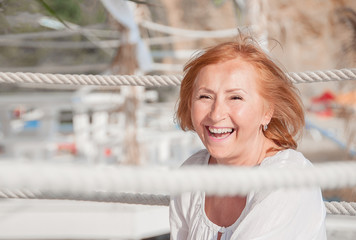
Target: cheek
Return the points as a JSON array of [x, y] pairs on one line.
[[197, 115], [246, 115], [194, 115]]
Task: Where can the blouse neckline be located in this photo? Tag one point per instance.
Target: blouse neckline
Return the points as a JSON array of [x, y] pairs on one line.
[[216, 227], [211, 224], [232, 227]]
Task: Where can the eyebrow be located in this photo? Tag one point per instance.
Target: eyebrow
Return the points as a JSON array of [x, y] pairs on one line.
[[205, 89], [235, 90], [227, 91]]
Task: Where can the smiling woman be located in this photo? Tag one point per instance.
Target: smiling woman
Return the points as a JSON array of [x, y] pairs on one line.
[[246, 113], [226, 99]]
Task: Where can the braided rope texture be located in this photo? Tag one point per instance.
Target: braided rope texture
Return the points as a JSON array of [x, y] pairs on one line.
[[322, 76], [96, 196], [342, 208], [99, 80], [334, 208], [105, 182], [155, 80]]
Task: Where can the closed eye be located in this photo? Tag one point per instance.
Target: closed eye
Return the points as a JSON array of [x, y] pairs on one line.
[[204, 97], [236, 98]]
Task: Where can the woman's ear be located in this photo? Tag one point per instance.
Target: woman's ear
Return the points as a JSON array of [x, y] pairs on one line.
[[268, 114]]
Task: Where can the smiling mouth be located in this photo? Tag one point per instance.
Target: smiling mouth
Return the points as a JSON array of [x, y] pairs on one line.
[[219, 133]]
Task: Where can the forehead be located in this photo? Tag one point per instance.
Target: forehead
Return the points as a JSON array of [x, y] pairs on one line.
[[231, 73]]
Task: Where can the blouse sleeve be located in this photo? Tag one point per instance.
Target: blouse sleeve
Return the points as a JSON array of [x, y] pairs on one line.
[[177, 219], [284, 214], [294, 214]]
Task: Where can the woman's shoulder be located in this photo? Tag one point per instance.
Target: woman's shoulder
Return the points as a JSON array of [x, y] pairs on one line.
[[199, 158], [287, 158]]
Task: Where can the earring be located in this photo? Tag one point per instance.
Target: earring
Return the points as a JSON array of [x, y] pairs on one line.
[[265, 127]]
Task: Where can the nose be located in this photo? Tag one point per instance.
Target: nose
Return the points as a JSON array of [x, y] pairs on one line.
[[218, 111]]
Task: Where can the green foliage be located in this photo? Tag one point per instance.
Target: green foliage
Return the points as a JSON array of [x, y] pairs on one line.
[[52, 12], [80, 12], [138, 1], [68, 10]]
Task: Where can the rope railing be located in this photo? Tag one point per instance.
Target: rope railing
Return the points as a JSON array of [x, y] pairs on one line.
[[341, 208], [334, 208], [137, 185], [155, 80], [218, 180], [128, 198], [232, 32], [153, 186]]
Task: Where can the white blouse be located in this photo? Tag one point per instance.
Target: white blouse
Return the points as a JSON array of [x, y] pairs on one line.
[[268, 215]]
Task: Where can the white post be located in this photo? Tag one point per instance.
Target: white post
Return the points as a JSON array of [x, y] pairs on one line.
[[257, 18], [81, 127]]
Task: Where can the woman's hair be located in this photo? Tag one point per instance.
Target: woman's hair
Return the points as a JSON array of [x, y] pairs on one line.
[[274, 86]]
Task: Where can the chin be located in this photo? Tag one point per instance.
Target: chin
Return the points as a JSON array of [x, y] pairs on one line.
[[219, 154]]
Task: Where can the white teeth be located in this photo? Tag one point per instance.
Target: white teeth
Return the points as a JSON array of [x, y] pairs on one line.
[[220, 130]]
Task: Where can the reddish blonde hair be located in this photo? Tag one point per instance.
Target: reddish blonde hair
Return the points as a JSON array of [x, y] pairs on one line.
[[274, 86]]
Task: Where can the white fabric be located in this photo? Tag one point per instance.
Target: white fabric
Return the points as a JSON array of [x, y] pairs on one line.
[[297, 214]]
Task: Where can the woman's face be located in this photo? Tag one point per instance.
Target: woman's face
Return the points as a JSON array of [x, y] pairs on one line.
[[227, 110]]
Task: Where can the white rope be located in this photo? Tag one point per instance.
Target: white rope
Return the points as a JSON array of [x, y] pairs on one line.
[[189, 33], [60, 34], [342, 208], [218, 180], [335, 208], [323, 76], [129, 198], [154, 80], [61, 44], [105, 80]]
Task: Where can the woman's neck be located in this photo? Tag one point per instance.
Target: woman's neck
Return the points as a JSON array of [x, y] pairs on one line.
[[250, 157]]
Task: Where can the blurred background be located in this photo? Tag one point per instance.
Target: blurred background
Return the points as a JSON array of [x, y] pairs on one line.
[[135, 125]]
